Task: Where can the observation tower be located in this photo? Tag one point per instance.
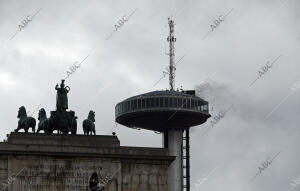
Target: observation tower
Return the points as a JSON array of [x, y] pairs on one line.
[[170, 112]]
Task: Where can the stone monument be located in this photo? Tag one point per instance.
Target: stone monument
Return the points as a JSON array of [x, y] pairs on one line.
[[71, 162]]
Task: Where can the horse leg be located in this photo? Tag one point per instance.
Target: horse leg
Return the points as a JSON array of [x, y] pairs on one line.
[[86, 132], [26, 127]]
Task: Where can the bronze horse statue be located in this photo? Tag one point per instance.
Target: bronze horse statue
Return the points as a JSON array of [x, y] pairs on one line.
[[24, 121], [44, 122], [88, 124]]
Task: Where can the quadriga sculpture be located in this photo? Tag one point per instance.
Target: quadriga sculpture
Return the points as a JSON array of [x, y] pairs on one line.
[[24, 121], [89, 125]]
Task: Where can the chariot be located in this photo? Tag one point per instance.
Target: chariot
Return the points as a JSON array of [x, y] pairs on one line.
[[63, 121]]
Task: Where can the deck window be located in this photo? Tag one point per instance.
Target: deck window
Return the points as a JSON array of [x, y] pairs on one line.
[[188, 104], [179, 102], [156, 102], [161, 102], [143, 103], [135, 104]]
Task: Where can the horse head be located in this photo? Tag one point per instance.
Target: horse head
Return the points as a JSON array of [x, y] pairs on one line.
[[91, 116], [22, 112], [42, 114]]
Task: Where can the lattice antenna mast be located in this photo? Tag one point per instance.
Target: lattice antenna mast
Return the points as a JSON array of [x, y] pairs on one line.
[[171, 39]]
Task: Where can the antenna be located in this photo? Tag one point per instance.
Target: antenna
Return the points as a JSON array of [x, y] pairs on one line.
[[171, 39]]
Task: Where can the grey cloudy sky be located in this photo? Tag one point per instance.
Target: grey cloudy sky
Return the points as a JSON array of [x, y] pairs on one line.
[[133, 58]]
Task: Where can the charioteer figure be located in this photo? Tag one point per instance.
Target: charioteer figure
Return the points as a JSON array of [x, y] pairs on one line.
[[62, 96]]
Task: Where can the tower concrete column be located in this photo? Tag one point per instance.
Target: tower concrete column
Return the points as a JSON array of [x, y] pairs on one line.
[[175, 149]]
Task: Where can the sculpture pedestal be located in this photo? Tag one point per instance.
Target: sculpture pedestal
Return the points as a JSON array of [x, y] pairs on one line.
[[66, 162]]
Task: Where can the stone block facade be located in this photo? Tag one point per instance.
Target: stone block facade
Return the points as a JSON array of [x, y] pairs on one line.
[[38, 162]]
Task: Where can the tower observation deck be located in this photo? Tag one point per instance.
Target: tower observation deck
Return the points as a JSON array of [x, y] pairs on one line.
[[171, 113], [162, 110]]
